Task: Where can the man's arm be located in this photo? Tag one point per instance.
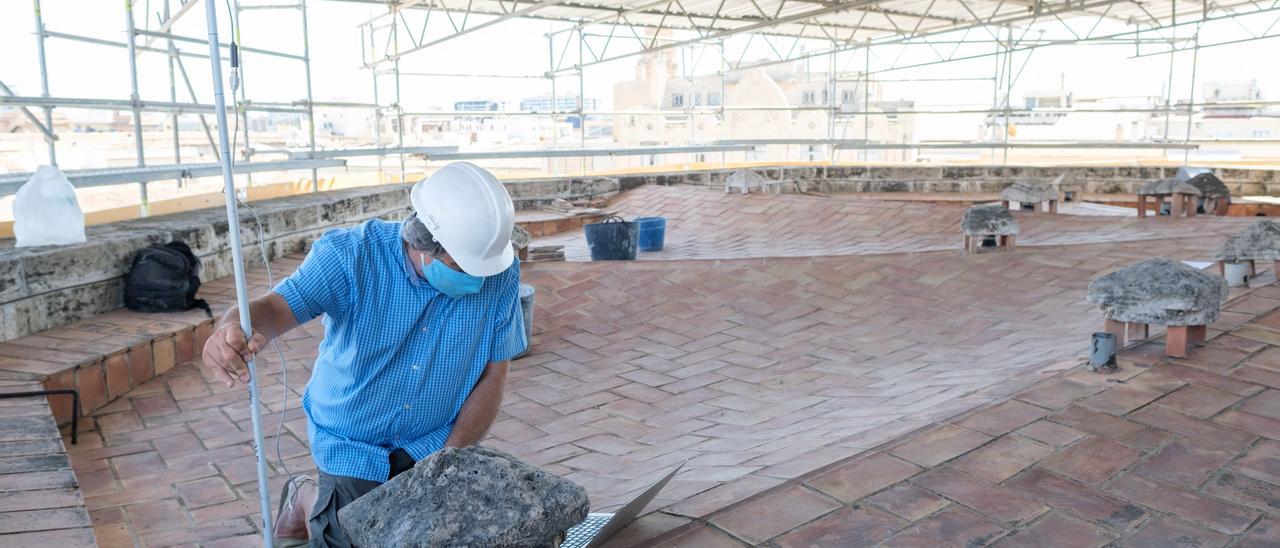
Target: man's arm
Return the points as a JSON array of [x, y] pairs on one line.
[[226, 352], [481, 407]]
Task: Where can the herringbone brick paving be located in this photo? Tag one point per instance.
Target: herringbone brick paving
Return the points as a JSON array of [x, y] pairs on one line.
[[706, 223], [755, 371], [1162, 452]]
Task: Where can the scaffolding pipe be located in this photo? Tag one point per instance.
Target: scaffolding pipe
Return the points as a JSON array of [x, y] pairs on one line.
[[48, 132], [191, 90], [173, 97], [395, 68], [242, 88], [377, 109], [50, 136], [551, 64], [1008, 92], [866, 102], [1168, 96], [582, 119], [114, 44], [197, 41], [237, 262], [831, 114], [311, 107], [144, 207], [1191, 97], [723, 64]]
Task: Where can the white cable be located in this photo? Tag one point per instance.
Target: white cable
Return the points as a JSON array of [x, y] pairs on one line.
[[275, 343]]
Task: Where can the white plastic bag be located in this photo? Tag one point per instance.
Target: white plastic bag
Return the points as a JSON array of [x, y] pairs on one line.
[[45, 210]]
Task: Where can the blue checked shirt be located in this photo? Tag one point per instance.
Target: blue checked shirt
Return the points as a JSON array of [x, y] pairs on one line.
[[399, 358]]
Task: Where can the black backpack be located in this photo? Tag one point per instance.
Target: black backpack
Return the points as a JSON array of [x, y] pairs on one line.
[[164, 278]]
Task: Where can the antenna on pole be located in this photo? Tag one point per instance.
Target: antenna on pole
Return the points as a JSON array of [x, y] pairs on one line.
[[237, 261]]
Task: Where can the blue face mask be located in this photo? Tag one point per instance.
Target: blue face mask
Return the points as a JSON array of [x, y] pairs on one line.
[[449, 281]]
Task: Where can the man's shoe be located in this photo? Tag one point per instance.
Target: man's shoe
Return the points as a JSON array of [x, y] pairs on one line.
[[296, 500]]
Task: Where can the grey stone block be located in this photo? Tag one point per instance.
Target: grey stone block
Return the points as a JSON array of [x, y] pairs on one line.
[[1259, 241], [988, 220], [473, 496], [1159, 292], [1029, 192], [1167, 186], [1068, 181], [1210, 186], [744, 180]]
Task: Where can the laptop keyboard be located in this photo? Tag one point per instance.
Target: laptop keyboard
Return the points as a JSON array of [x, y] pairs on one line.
[[581, 534]]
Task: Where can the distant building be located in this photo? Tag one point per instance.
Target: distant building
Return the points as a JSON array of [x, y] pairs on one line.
[[563, 103], [785, 101], [476, 106]]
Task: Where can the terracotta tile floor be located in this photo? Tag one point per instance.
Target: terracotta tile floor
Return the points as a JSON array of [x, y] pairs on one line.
[[1158, 453], [706, 223], [756, 371]]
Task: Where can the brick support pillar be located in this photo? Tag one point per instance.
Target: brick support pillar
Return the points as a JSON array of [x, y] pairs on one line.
[[1177, 340]]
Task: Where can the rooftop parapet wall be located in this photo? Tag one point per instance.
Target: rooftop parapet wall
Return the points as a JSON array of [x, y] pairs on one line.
[[45, 287], [965, 179]]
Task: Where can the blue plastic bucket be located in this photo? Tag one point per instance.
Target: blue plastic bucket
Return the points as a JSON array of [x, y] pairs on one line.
[[526, 309], [612, 240], [652, 232]]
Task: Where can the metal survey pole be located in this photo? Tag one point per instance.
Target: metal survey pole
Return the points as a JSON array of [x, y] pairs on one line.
[[237, 262], [311, 109], [144, 208], [44, 85]]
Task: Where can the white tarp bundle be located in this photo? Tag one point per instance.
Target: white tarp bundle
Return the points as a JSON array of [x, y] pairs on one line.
[[45, 210]]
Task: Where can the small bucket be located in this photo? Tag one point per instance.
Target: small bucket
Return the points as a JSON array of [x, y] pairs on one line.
[[1237, 274], [526, 309], [1102, 351], [653, 231], [612, 240]]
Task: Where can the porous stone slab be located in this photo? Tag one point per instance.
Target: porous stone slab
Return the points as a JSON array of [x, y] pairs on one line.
[[1210, 186], [1185, 173], [1167, 186], [988, 220], [1068, 181], [1159, 292], [1029, 192], [520, 237], [744, 180], [1260, 241], [474, 496]]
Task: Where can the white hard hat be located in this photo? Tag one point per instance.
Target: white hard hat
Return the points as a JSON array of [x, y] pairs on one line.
[[470, 213]]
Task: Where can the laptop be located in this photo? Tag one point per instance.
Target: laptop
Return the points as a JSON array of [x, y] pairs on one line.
[[598, 527]]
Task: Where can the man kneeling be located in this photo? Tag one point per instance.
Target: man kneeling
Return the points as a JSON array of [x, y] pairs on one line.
[[421, 319]]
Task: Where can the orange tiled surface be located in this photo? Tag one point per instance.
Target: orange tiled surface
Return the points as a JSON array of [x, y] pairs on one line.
[[758, 371], [1160, 452], [706, 223]]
